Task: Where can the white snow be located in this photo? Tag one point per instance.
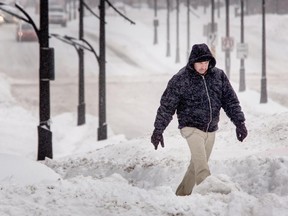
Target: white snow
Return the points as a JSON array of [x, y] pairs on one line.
[[121, 176]]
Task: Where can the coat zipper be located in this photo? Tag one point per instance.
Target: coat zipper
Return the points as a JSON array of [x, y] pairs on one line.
[[209, 101]]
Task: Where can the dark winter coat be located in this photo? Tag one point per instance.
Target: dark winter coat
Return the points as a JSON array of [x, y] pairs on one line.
[[197, 99]]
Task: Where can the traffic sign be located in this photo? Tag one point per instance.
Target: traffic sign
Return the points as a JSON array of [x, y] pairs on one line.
[[242, 50], [227, 43], [207, 29], [212, 39]]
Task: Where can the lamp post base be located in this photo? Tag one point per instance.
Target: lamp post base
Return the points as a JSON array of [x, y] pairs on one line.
[[44, 143], [81, 114], [102, 132], [242, 84], [263, 97]]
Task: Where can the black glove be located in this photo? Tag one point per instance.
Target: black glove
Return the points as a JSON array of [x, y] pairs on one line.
[[157, 138], [241, 132]]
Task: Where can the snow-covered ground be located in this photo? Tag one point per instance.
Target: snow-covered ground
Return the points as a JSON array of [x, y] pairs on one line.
[[121, 176]]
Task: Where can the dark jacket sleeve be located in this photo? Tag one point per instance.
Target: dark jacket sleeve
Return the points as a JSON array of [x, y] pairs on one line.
[[168, 105], [230, 103]]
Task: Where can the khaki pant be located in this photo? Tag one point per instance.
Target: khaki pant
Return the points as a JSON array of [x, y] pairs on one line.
[[200, 144]]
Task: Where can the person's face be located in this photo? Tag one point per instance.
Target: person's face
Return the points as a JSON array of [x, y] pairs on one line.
[[201, 67]]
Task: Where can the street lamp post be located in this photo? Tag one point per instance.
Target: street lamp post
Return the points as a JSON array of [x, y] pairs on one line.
[[81, 119], [242, 84], [188, 28], [46, 73], [227, 51], [44, 133], [177, 33], [213, 30], [263, 97], [102, 129], [156, 23], [81, 99], [77, 44], [168, 29]]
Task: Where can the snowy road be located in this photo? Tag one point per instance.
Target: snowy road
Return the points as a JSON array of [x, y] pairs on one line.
[[130, 107]]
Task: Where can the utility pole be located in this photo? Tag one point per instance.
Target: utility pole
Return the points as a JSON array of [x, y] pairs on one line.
[[81, 99], [102, 129], [177, 34], [168, 29], [45, 69], [242, 84], [263, 97]]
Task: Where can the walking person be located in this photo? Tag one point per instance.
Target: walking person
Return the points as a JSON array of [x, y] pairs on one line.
[[197, 93]]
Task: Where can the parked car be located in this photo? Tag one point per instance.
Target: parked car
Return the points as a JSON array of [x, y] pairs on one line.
[[8, 18], [57, 15], [25, 32], [1, 19]]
